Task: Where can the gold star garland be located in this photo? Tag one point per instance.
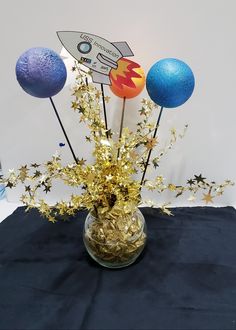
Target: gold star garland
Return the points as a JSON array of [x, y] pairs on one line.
[[108, 186]]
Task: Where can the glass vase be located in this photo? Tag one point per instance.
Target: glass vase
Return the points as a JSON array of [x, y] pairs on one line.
[[115, 242]]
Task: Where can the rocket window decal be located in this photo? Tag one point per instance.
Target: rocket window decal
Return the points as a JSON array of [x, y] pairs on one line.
[[84, 47]]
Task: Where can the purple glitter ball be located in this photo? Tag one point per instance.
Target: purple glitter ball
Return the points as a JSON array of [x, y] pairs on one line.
[[41, 72]]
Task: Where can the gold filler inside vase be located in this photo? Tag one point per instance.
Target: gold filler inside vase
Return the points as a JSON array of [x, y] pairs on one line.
[[115, 242]]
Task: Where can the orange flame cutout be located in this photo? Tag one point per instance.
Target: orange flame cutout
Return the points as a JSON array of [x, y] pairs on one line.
[[124, 73]]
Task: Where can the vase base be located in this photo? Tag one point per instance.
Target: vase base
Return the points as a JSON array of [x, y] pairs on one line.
[[115, 265]]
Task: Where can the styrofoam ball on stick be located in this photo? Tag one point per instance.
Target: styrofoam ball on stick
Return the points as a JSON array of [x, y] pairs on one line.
[[128, 80], [41, 72], [170, 82]]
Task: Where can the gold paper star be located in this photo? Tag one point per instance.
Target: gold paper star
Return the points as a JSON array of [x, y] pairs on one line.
[[133, 155], [34, 165], [150, 185], [151, 143], [190, 182], [109, 133], [77, 93], [192, 198], [98, 95], [81, 161], [27, 188], [51, 219], [166, 210], [107, 99], [24, 169], [9, 184], [74, 105], [109, 177], [142, 111], [199, 178], [37, 174], [44, 208], [219, 191], [171, 187], [150, 104], [90, 178], [208, 198], [155, 162], [24, 199], [47, 188]]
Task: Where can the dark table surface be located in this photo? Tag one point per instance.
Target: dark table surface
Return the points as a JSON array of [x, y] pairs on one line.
[[185, 278]]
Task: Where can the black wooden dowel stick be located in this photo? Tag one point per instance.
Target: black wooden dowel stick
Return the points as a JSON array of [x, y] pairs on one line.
[[121, 123], [67, 139], [104, 109], [150, 151]]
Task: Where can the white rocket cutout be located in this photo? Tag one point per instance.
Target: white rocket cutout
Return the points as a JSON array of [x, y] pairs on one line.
[[96, 53]]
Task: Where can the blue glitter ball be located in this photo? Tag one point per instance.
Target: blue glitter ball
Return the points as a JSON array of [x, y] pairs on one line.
[[41, 72], [170, 82]]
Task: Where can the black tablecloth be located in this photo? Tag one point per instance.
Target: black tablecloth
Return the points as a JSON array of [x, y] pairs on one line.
[[185, 279]]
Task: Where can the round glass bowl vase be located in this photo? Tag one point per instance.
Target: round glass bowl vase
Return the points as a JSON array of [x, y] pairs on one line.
[[115, 242]]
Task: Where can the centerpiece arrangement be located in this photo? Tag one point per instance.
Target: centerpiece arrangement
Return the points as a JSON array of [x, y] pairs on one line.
[[115, 230]]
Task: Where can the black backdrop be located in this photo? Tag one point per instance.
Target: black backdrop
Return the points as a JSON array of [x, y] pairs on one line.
[[185, 278]]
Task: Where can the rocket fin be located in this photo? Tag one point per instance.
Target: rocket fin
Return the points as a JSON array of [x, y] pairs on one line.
[[100, 78], [124, 48]]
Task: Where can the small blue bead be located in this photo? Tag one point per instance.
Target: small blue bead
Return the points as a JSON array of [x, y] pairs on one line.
[[170, 82]]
